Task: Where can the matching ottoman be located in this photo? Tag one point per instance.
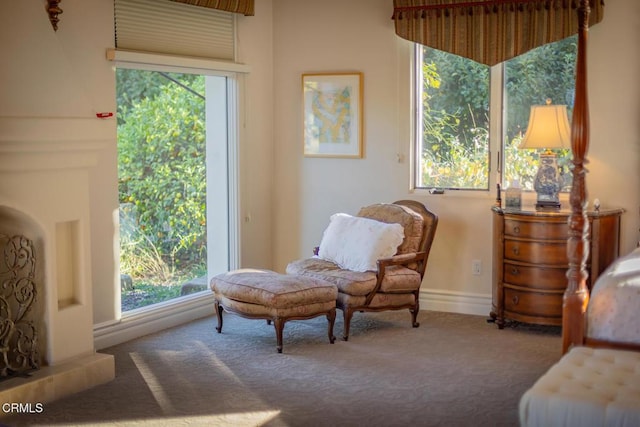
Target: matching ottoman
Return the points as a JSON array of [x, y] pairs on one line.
[[264, 294]]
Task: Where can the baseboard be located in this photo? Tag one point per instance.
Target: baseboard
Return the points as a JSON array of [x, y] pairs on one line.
[[455, 302], [144, 322]]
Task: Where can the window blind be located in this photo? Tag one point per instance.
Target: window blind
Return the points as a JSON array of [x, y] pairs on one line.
[[164, 26]]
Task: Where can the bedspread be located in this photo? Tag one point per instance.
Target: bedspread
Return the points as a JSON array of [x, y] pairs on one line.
[[614, 306]]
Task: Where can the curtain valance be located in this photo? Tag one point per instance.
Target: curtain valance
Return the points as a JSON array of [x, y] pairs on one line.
[[244, 7], [489, 31]]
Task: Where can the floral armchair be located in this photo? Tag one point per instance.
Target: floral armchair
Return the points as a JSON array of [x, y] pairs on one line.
[[376, 259]]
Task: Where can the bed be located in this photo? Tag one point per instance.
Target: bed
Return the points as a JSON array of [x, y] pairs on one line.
[[597, 380], [605, 319], [614, 307], [580, 327]]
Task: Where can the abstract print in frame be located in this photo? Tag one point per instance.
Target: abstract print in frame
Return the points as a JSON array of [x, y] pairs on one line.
[[332, 108]]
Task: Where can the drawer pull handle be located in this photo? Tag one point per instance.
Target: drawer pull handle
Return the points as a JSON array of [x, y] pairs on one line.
[[516, 250], [516, 229], [515, 300], [515, 271]]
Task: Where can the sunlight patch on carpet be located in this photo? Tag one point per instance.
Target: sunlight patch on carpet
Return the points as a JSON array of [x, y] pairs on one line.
[[153, 384], [173, 378]]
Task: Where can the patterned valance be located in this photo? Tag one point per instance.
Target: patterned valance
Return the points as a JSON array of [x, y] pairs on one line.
[[489, 31], [244, 7]]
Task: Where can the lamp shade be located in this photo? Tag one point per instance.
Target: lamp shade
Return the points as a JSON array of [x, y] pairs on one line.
[[548, 127]]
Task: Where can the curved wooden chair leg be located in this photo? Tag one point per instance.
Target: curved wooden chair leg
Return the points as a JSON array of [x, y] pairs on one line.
[[348, 314], [218, 309], [414, 313], [414, 318], [331, 317], [278, 323]]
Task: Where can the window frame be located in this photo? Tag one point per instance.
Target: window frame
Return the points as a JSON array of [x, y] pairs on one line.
[[234, 92], [497, 118]]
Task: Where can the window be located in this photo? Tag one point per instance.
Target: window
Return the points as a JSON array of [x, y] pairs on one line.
[[454, 100], [547, 72], [174, 178], [452, 122]]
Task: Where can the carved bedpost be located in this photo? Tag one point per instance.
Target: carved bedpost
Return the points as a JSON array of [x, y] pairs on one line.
[[576, 296]]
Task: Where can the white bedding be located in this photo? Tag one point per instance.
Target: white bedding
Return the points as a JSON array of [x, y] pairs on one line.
[[614, 307]]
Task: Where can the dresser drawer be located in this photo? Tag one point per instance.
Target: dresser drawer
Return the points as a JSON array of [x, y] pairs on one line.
[[547, 230], [534, 277], [533, 303], [536, 252]]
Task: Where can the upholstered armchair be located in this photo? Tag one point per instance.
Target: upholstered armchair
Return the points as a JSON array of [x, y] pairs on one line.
[[377, 259]]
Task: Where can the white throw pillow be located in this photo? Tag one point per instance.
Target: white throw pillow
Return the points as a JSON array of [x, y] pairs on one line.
[[356, 243]]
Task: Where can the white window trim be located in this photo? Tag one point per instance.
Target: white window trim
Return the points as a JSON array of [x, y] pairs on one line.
[[162, 62], [496, 117], [146, 320]]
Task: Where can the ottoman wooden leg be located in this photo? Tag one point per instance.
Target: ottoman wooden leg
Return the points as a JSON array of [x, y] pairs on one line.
[[278, 322], [218, 309], [331, 317]]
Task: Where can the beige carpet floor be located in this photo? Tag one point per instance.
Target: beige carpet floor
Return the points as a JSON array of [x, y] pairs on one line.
[[454, 370]]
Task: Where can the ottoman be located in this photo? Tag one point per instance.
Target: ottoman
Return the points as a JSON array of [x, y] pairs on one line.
[[264, 294], [587, 387]]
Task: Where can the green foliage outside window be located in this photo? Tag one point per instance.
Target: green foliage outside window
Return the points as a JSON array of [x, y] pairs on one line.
[[454, 149], [455, 128], [161, 174], [547, 72]]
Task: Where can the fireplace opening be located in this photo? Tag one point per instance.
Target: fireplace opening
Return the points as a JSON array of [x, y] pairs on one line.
[[22, 329]]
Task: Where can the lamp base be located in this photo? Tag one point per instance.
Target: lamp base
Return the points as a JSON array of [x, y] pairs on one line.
[[547, 183]]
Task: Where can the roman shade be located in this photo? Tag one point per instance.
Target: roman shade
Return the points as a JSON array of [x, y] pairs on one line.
[[167, 27], [244, 7], [489, 31]]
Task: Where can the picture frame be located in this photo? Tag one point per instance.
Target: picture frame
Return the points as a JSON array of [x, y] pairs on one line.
[[332, 114]]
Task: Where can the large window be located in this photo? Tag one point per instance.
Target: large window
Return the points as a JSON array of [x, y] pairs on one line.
[[458, 98], [174, 172], [547, 72]]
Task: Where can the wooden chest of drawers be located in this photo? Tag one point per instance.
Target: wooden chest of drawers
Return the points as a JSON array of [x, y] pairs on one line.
[[530, 260]]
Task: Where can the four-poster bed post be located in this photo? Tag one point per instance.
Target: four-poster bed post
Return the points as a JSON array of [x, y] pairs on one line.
[[576, 296]]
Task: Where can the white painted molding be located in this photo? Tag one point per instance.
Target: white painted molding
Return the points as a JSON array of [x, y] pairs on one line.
[[153, 60], [50, 143], [455, 302], [150, 320]]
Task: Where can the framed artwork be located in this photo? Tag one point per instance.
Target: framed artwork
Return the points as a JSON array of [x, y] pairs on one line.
[[332, 111]]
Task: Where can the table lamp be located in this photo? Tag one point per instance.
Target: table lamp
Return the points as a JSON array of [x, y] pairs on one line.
[[549, 130]]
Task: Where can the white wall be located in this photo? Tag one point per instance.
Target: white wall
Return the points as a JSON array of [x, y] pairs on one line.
[[614, 98], [255, 48], [333, 35]]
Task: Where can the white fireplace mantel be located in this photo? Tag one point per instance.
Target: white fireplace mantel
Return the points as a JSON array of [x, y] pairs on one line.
[[45, 194], [41, 143]]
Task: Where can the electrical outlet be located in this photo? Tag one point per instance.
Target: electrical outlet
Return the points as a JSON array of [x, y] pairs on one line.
[[476, 267]]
